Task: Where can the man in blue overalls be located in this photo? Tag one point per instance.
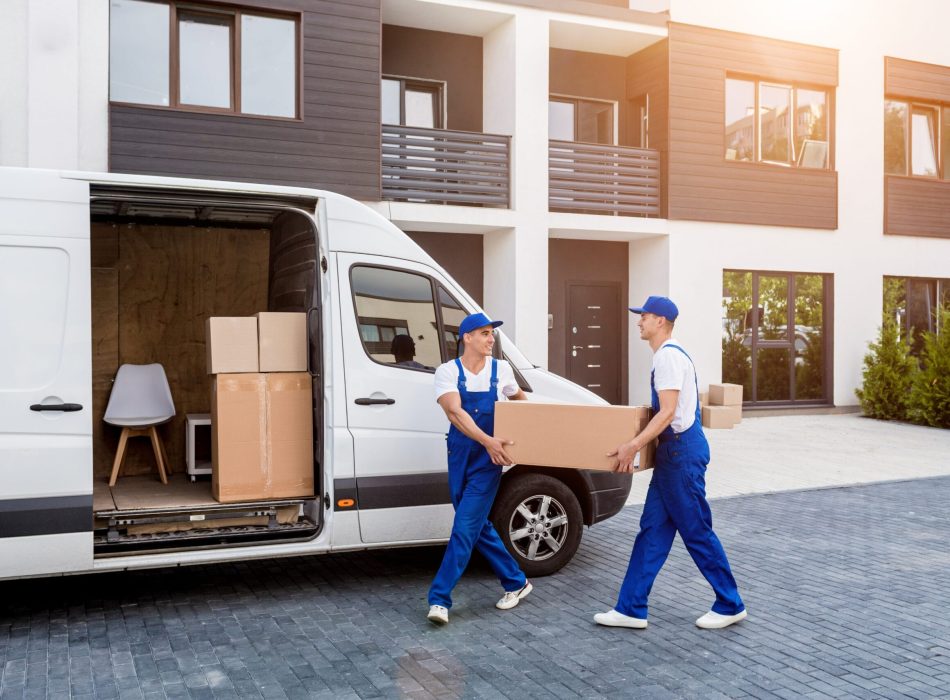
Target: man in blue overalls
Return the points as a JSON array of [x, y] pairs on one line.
[[467, 389], [676, 499]]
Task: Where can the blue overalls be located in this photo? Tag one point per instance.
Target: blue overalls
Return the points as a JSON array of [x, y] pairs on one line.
[[676, 502], [473, 482]]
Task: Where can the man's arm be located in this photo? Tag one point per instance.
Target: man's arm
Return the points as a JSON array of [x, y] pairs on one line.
[[660, 421], [451, 403]]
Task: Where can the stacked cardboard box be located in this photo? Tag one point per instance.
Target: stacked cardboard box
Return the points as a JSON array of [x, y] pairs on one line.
[[725, 406], [565, 435], [261, 408]]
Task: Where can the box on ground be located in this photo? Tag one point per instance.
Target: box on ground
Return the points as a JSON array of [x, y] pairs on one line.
[[725, 394], [262, 436], [282, 339], [566, 435], [231, 343], [721, 416]]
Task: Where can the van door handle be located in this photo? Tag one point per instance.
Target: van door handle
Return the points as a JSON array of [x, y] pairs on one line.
[[374, 402], [67, 407]]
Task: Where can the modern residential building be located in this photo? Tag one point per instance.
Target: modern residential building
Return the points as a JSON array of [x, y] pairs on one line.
[[773, 167]]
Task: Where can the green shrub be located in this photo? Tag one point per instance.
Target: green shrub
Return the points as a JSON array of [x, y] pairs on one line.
[[889, 371], [930, 393]]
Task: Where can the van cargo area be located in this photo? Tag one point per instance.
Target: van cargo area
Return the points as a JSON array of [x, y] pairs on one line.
[[162, 264]]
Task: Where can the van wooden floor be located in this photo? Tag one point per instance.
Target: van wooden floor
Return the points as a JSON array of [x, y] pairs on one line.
[[146, 491]]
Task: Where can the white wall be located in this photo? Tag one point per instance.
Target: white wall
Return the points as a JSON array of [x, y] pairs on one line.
[[54, 94]]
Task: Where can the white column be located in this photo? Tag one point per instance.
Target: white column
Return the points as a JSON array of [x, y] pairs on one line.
[[649, 274], [93, 67], [515, 102]]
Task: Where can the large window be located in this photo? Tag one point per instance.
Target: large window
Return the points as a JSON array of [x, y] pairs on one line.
[[914, 302], [774, 339], [410, 102], [180, 55], [916, 140], [776, 123], [581, 121]]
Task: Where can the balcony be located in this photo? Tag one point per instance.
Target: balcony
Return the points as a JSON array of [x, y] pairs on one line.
[[600, 179], [438, 166]]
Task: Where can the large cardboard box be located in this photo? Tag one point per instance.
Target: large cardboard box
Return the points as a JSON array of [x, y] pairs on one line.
[[725, 394], [721, 416], [231, 343], [282, 339], [238, 437], [262, 436], [290, 434], [566, 435]]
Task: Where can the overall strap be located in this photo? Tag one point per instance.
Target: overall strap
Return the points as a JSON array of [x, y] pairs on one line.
[[494, 379], [461, 382], [695, 377]]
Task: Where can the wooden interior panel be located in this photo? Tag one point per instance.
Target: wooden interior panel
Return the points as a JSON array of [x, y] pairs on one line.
[[168, 280], [105, 350]]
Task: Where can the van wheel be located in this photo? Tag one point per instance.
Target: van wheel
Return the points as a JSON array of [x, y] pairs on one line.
[[539, 520]]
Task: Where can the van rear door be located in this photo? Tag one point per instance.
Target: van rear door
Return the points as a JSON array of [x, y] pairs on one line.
[[45, 375]]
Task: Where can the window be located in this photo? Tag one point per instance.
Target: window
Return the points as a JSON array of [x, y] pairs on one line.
[[914, 303], [179, 55], [776, 123], [581, 121], [409, 102], [774, 335], [452, 315], [915, 139]]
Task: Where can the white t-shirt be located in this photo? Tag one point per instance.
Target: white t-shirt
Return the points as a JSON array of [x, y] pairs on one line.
[[673, 370], [447, 379]]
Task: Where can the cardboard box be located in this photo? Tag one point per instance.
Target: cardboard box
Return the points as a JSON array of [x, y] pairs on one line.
[[704, 398], [282, 340], [721, 416], [290, 434], [565, 435], [725, 394], [238, 434], [262, 437], [231, 344]]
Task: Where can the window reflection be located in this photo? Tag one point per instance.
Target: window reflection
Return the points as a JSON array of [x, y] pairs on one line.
[[736, 327], [772, 381], [740, 128], [773, 300], [774, 125], [895, 137], [420, 108], [561, 120], [923, 132], [204, 58], [452, 315], [138, 52], [811, 129], [268, 66], [396, 317], [390, 101], [809, 340]]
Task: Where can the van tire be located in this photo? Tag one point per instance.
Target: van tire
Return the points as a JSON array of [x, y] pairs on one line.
[[553, 536]]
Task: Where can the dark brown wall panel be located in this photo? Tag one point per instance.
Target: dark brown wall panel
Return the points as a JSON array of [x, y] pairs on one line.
[[583, 261], [461, 254], [918, 81], [453, 58], [702, 185], [334, 146], [917, 207], [648, 73]]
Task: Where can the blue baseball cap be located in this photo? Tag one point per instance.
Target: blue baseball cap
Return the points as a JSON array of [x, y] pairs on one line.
[[475, 321], [658, 306]]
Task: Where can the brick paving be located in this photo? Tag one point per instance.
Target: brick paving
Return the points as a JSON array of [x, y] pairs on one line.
[[848, 591]]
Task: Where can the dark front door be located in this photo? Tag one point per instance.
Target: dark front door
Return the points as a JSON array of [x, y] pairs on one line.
[[593, 337]]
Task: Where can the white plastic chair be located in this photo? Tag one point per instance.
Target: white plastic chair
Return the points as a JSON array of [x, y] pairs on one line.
[[140, 400]]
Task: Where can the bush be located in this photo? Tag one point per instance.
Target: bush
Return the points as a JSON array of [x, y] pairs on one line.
[[889, 371], [930, 393]]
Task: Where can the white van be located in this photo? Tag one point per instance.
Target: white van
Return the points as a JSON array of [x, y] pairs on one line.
[[97, 270]]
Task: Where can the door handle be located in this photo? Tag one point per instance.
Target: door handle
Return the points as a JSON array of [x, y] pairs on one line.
[[374, 402], [66, 407], [577, 347]]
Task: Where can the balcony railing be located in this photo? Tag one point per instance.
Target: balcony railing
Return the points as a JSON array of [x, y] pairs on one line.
[[591, 178], [445, 167]]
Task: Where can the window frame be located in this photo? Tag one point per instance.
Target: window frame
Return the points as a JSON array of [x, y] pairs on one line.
[[794, 87], [235, 13], [438, 87], [942, 109], [574, 100]]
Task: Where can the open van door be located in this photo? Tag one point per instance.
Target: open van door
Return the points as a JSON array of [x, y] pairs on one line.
[[46, 517]]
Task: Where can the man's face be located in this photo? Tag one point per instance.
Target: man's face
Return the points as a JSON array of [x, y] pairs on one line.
[[649, 325], [482, 340]]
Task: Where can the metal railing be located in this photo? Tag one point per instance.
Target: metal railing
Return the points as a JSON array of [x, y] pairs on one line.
[[445, 167], [599, 179]]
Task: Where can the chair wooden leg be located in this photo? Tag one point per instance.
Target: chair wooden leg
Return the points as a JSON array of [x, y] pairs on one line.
[[119, 456], [161, 444], [157, 449]]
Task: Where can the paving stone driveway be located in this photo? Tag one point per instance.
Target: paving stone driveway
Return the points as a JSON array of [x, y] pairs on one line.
[[848, 591]]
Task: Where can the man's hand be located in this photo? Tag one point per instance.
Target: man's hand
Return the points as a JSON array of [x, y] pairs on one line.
[[625, 455], [496, 450]]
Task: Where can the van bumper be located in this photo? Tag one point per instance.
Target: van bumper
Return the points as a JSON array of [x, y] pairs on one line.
[[608, 494]]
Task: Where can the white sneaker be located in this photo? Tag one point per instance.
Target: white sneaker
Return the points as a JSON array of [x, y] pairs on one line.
[[438, 614], [512, 598], [612, 618], [715, 621]]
